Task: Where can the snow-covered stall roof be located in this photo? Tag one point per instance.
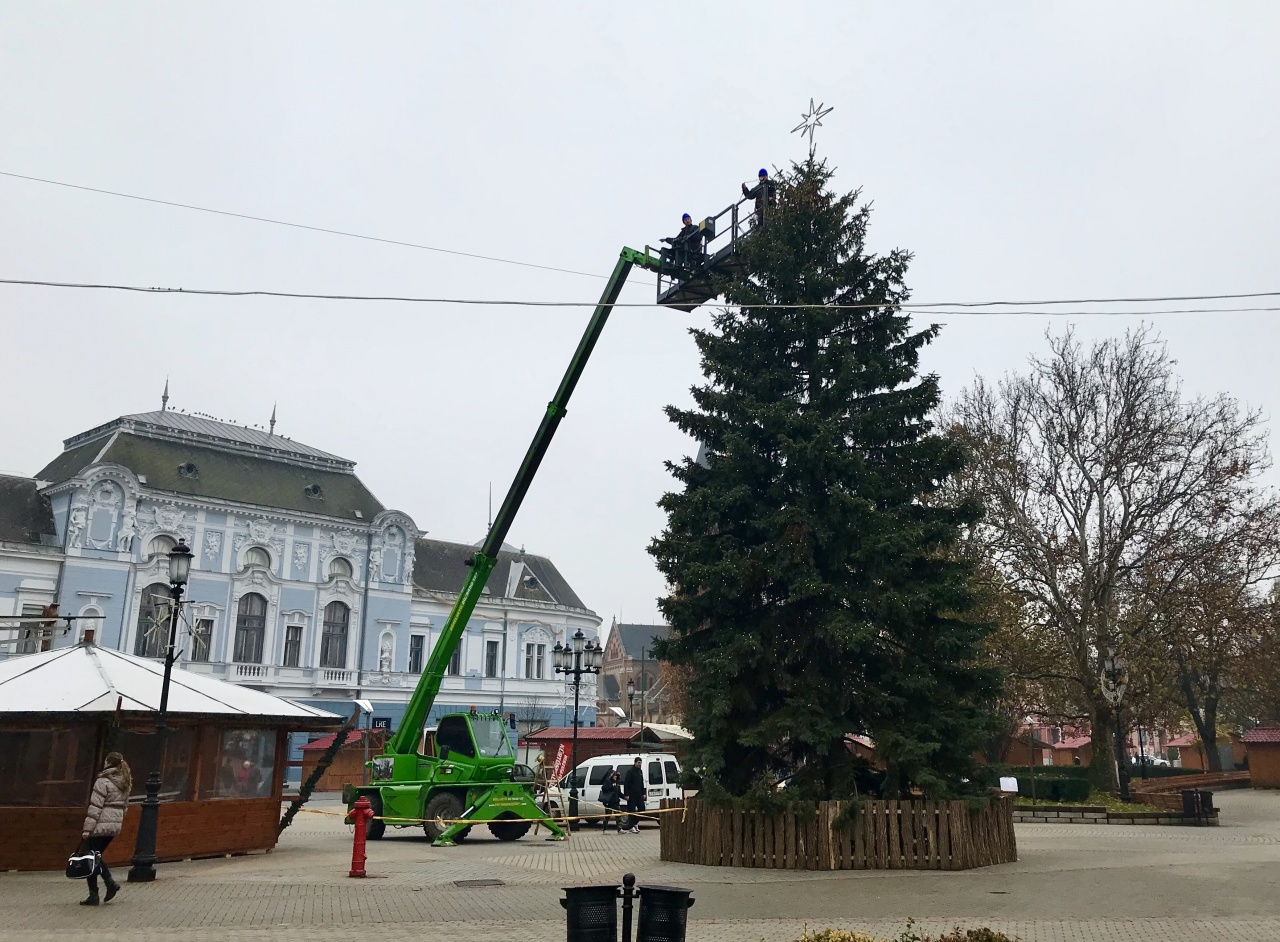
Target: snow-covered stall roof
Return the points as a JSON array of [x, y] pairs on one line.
[[87, 679]]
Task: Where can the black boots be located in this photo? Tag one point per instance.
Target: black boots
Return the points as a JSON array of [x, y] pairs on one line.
[[92, 899], [112, 887]]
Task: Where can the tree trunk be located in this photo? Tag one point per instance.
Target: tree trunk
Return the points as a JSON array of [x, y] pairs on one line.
[[1209, 735], [1102, 763], [1205, 718]]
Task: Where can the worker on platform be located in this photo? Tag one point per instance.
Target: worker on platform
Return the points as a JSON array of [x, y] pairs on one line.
[[765, 193], [686, 245]]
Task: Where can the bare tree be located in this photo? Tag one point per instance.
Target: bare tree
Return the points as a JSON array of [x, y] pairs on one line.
[[1211, 611], [1091, 466]]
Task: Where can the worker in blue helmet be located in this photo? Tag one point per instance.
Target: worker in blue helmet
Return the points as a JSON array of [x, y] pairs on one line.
[[765, 193], [686, 245]]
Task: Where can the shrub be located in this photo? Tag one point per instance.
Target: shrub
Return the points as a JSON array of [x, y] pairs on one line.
[[1041, 771]]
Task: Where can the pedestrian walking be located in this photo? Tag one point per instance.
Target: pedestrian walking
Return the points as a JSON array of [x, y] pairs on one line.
[[104, 819], [611, 798], [633, 789]]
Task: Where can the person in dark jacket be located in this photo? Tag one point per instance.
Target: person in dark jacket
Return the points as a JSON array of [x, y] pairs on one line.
[[633, 789], [611, 798], [765, 193], [105, 817], [686, 245]]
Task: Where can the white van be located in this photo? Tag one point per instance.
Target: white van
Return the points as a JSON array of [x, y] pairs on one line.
[[661, 774]]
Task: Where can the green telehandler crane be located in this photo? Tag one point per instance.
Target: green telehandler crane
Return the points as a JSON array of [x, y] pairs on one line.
[[473, 778]]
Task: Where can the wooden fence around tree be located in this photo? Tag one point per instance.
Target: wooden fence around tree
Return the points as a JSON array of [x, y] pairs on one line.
[[880, 835]]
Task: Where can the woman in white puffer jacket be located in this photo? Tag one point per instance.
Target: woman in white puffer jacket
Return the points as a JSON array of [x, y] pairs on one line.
[[106, 816]]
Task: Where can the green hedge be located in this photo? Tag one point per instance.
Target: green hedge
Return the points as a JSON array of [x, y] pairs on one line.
[[1069, 790], [1161, 771], [1040, 771]]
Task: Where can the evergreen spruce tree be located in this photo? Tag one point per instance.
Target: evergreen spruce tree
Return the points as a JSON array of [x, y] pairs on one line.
[[813, 591]]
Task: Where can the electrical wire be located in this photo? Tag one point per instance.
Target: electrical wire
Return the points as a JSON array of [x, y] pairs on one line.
[[939, 308], [298, 225]]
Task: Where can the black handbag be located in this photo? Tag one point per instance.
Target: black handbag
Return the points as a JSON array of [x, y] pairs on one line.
[[84, 864]]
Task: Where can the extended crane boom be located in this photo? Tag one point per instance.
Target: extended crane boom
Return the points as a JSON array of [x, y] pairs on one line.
[[404, 743]]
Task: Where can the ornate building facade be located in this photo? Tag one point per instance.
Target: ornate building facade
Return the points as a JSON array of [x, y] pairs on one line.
[[303, 584]]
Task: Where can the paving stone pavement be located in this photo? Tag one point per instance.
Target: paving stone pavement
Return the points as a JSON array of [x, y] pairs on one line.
[[1071, 884]]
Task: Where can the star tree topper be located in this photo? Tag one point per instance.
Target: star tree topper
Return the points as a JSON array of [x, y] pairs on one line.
[[812, 121]]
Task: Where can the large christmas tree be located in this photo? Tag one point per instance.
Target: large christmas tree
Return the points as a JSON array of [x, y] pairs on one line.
[[813, 591]]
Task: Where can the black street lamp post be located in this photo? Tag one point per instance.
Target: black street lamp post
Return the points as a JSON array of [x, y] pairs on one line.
[[1114, 679], [631, 701], [584, 657], [144, 851]]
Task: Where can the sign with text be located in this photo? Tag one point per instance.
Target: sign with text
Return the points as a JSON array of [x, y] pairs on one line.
[[561, 767], [380, 722]]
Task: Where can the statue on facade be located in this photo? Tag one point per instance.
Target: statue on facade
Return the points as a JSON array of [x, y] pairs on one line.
[[128, 530], [75, 529]]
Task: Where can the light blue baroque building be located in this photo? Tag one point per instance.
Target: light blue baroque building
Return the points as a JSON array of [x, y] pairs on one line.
[[302, 583]]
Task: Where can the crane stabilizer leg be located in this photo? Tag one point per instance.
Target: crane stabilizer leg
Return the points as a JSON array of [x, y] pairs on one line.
[[501, 801]]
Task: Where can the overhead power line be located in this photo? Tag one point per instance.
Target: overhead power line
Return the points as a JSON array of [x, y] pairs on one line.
[[298, 225], [945, 308]]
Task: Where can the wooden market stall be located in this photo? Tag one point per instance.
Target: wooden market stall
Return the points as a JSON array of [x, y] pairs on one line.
[[223, 764]]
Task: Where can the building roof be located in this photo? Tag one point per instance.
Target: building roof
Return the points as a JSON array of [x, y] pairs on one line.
[[634, 637], [180, 425], [649, 732], [355, 736], [1261, 734], [85, 680], [619, 733], [439, 566], [1073, 742], [25, 516], [224, 474], [1186, 739]]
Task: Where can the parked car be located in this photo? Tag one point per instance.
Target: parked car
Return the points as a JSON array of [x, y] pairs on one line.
[[662, 780], [1149, 760]]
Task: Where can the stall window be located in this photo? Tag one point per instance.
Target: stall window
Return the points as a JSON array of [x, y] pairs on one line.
[[240, 764], [47, 767], [140, 750]]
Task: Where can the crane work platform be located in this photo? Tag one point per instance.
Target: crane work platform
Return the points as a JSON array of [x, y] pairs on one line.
[[687, 278]]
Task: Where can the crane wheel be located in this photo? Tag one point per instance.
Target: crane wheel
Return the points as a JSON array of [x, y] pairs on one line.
[[445, 805], [508, 830], [375, 829]]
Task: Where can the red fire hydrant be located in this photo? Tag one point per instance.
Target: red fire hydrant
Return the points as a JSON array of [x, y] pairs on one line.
[[360, 816]]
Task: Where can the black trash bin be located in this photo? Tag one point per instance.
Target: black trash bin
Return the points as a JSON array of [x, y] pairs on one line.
[[664, 913], [1191, 803], [1206, 803], [591, 913]]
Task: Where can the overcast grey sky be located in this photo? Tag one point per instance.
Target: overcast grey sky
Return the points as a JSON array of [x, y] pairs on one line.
[[1021, 150]]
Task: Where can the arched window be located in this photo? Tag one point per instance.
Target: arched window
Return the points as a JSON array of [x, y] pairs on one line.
[[251, 626], [153, 619], [340, 568], [333, 640], [160, 546], [257, 556]]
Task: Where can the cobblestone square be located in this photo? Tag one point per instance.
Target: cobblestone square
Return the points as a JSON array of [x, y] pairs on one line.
[[1072, 883]]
